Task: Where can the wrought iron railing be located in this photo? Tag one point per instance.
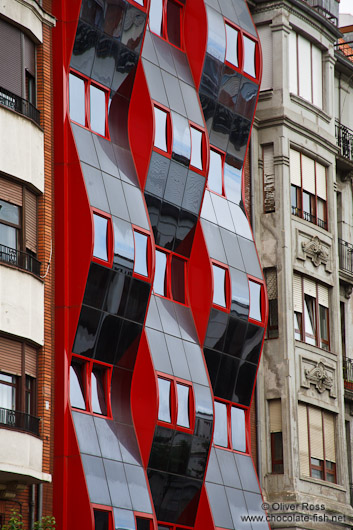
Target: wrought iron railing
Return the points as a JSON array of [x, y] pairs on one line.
[[344, 140], [345, 256], [19, 259], [14, 102], [19, 420], [321, 7], [309, 217]]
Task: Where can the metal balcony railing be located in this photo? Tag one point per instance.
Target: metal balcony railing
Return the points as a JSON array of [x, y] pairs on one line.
[[345, 256], [19, 259], [344, 140], [14, 102], [325, 8], [19, 420], [309, 217]]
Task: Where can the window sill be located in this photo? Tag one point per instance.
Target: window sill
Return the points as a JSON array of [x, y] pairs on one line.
[[319, 482], [307, 346], [309, 223], [310, 106]]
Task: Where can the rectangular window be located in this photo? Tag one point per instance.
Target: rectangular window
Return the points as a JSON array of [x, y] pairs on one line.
[[308, 189], [176, 406], [275, 412], [232, 45], [268, 178], [142, 254], [230, 426], [197, 147], [170, 276], [220, 285], [102, 519], [161, 131], [305, 72], [166, 20], [272, 294], [255, 309], [215, 172], [103, 238], [317, 443], [89, 386]]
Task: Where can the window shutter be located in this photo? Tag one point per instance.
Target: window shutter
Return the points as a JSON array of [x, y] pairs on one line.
[[10, 356], [321, 181], [293, 64], [316, 435], [271, 283], [304, 64], [30, 361], [10, 58], [297, 293], [295, 173], [310, 287], [308, 171], [303, 440], [29, 56], [30, 220], [329, 433], [317, 76], [269, 179], [10, 192], [275, 410], [323, 295], [265, 34]]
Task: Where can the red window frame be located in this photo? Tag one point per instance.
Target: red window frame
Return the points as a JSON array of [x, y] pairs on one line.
[[164, 25], [106, 509], [169, 132], [204, 152], [240, 46], [87, 368], [263, 302], [168, 284], [88, 82], [109, 236], [230, 405], [144, 516], [227, 286], [223, 156], [169, 526], [146, 233], [322, 466], [173, 404]]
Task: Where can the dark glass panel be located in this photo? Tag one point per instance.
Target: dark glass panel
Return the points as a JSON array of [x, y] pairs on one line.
[[213, 360], [92, 13], [164, 412], [240, 294], [198, 457], [100, 249], [143, 524], [87, 330], [194, 189], [128, 344], [113, 20], [181, 150], [120, 395], [229, 90], [221, 127], [160, 450], [245, 383], [101, 520], [157, 174], [178, 279], [138, 300], [96, 286], [84, 48], [134, 25], [227, 375], [108, 339], [174, 190], [167, 225], [125, 63], [117, 294], [236, 333], [182, 69], [77, 387], [153, 206], [185, 233], [179, 454], [211, 76], [208, 107], [123, 246], [98, 383], [216, 330], [253, 341], [247, 99], [239, 136], [174, 13], [104, 61]]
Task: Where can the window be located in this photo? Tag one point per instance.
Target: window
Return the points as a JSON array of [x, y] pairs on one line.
[[175, 403], [317, 443], [142, 254], [230, 428], [170, 276], [103, 238], [275, 412], [162, 131], [308, 189], [241, 50], [305, 72], [102, 519], [166, 20], [142, 523], [255, 309], [215, 179], [268, 178], [220, 286], [272, 294], [232, 36], [311, 315], [89, 386], [197, 148], [88, 104]]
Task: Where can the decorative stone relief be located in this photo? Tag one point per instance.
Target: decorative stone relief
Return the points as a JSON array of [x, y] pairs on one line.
[[316, 251], [313, 248], [319, 374]]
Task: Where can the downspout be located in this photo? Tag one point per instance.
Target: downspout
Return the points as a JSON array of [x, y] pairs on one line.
[[40, 502], [31, 506]]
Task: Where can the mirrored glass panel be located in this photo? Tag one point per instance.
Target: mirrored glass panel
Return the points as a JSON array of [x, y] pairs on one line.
[[249, 56], [77, 99], [164, 400], [181, 139], [214, 180], [196, 148], [220, 427], [238, 429], [219, 285], [98, 394], [232, 45], [155, 20], [174, 11], [101, 520], [255, 301], [141, 242], [97, 110], [160, 133], [77, 398], [178, 279], [159, 284], [100, 249], [183, 405]]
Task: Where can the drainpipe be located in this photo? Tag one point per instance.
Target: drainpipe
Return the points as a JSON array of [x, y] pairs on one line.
[[31, 506], [40, 502]]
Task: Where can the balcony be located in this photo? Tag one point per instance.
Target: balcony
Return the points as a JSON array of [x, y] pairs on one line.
[[345, 257], [19, 421], [344, 140], [326, 8], [20, 105], [348, 374], [307, 216], [19, 259]]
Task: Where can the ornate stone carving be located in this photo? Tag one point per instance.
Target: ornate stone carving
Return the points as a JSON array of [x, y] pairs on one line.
[[348, 291], [316, 251], [320, 377]]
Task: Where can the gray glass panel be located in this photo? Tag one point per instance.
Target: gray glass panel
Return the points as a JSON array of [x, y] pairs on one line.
[[155, 82], [254, 503], [105, 155], [77, 99], [181, 138], [195, 185], [117, 483], [219, 505], [207, 210], [220, 434], [153, 319], [123, 242], [108, 438], [148, 51], [222, 211], [216, 44], [186, 323], [214, 4], [168, 317], [214, 241], [227, 10], [238, 508], [86, 434], [96, 479], [177, 357], [173, 92], [213, 470], [228, 468], [181, 65], [85, 146], [239, 293], [163, 54], [203, 403], [138, 489], [157, 174], [95, 187], [244, 18], [97, 110], [136, 206], [124, 519], [192, 104], [126, 165], [128, 445], [232, 182], [84, 48], [251, 261], [100, 237], [241, 223], [232, 249], [196, 364], [247, 473], [159, 351], [174, 190], [116, 197]]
